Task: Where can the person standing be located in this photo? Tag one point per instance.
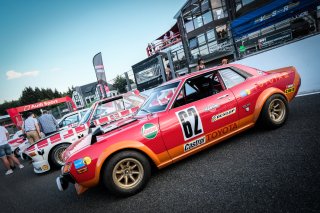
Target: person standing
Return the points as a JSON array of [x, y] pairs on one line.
[[168, 73], [31, 128], [48, 123], [6, 154], [201, 65]]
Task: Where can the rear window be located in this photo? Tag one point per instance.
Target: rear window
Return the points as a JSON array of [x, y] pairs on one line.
[[231, 78]]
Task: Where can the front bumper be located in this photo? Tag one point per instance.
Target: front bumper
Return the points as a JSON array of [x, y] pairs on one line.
[[63, 183], [41, 166]]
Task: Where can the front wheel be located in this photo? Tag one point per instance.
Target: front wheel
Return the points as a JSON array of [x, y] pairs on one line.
[[126, 173], [274, 112], [56, 154]]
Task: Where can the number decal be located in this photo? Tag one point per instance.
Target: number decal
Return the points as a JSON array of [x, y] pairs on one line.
[[190, 122]]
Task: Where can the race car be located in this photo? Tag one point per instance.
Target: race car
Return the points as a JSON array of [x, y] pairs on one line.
[[71, 119], [46, 152], [18, 143], [180, 118]]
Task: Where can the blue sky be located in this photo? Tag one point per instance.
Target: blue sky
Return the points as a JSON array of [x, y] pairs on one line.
[[51, 44]]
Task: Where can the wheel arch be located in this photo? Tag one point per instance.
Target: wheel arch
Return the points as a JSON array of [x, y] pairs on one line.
[[52, 148], [263, 97]]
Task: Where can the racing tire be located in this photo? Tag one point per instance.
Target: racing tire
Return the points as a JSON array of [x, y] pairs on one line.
[[56, 155], [126, 173], [275, 112]]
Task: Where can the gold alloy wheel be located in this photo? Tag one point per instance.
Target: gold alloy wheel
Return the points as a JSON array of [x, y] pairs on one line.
[[128, 173], [277, 110]]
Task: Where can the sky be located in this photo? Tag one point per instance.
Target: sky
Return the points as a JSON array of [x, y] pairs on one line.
[[51, 43]]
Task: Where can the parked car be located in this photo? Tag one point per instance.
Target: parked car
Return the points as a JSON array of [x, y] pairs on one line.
[[71, 119], [180, 118], [47, 152], [18, 143]]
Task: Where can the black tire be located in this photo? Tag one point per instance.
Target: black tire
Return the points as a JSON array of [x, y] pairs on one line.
[[55, 155], [275, 112], [139, 168]]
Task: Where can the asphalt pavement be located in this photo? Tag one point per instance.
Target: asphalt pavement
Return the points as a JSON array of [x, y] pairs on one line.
[[256, 171]]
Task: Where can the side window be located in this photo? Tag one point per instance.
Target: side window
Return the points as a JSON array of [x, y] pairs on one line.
[[108, 108], [70, 120], [198, 88], [231, 78]]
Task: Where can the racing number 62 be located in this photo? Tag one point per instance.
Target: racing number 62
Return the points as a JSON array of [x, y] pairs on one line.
[[190, 122]]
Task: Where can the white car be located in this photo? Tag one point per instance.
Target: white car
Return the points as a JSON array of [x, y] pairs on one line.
[[18, 143], [71, 119], [47, 152]]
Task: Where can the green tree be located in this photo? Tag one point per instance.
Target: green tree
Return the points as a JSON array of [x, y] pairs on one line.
[[120, 84]]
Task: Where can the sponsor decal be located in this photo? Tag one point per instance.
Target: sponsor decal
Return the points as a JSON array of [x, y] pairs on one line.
[[223, 114], [246, 107], [45, 167], [290, 86], [149, 131], [79, 163], [220, 132], [211, 108], [289, 90], [190, 122], [87, 160], [194, 144], [245, 93]]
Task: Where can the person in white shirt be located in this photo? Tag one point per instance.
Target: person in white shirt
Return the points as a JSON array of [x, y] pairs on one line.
[[6, 152]]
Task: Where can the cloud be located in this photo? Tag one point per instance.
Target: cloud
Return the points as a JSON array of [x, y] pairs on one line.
[[56, 69], [11, 74]]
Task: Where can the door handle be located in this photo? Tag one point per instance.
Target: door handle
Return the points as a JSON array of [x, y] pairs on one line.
[[224, 96]]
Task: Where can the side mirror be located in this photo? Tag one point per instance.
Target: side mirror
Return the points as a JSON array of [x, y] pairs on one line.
[[96, 132], [92, 125]]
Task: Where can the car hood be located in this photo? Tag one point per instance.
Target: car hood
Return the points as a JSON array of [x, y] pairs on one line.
[[106, 131]]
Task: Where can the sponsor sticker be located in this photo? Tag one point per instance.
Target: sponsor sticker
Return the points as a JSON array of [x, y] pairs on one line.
[[194, 144], [87, 160], [45, 167], [149, 131], [220, 132], [223, 114], [246, 107], [79, 163], [289, 90], [211, 108], [245, 93]]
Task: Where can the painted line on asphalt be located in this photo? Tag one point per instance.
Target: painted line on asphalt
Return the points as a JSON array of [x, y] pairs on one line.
[[306, 94]]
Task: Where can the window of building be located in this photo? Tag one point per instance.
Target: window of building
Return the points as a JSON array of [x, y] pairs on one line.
[[201, 39], [193, 43], [189, 26], [241, 3], [205, 5], [210, 35], [195, 53], [204, 50], [219, 9], [213, 46], [207, 17], [197, 21]]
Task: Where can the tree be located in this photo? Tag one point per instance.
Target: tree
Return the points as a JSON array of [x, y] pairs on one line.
[[120, 84]]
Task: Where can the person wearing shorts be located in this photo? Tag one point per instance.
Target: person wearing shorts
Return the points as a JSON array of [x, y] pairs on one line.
[[6, 152]]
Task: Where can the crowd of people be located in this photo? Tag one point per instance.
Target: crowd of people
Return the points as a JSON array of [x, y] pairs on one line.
[[34, 128]]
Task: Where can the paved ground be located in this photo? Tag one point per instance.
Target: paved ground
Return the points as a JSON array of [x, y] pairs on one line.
[[256, 171]]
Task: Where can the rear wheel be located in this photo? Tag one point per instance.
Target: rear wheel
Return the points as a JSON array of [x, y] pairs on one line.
[[274, 112], [126, 173], [56, 155]]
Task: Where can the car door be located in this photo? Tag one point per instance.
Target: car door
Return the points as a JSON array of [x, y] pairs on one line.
[[198, 116]]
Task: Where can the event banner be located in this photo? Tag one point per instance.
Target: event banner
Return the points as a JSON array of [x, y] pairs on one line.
[[101, 76]]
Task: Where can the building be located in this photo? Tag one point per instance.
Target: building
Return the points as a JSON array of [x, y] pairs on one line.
[[83, 96], [233, 29]]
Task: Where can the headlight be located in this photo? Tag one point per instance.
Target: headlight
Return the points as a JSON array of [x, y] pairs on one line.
[[66, 168]]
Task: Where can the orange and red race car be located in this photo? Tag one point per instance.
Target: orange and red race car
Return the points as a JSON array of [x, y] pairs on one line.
[[180, 118]]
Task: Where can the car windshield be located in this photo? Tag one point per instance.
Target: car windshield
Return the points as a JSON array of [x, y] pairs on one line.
[[159, 99]]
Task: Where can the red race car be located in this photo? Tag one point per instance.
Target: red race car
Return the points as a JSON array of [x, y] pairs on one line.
[[180, 118]]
